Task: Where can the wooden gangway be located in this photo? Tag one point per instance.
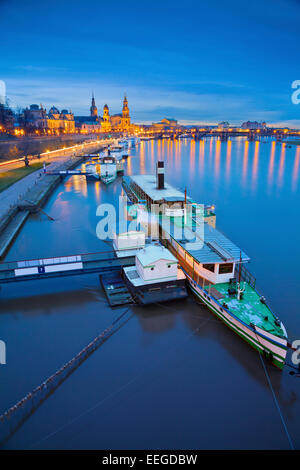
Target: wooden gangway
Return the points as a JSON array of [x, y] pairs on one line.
[[43, 268]]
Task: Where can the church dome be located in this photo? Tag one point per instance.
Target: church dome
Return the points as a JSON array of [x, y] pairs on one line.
[[105, 106], [53, 110]]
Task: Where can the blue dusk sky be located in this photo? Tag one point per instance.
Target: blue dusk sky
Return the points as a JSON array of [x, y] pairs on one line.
[[196, 61]]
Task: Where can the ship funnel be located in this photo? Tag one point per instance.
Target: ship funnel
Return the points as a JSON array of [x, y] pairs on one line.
[[160, 175]]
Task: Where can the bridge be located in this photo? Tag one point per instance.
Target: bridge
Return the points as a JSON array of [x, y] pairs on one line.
[[225, 133], [43, 268], [70, 173]]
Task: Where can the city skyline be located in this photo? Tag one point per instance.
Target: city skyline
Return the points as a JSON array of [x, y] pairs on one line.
[[173, 63]]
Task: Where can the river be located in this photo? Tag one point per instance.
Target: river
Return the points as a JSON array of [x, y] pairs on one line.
[[174, 376]]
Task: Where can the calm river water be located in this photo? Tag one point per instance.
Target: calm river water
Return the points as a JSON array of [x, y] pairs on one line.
[[173, 376]]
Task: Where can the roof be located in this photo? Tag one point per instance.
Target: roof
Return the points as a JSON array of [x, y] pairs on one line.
[[89, 119], [153, 253], [148, 184], [208, 245]]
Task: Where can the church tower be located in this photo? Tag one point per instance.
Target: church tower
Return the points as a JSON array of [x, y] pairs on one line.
[[125, 115], [106, 124], [93, 108]]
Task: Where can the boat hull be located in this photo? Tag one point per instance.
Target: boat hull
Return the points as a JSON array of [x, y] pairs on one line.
[[108, 179], [157, 292], [272, 347]]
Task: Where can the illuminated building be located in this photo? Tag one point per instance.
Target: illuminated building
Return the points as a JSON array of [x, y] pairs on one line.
[[37, 118], [93, 108], [89, 124], [106, 120], [165, 124], [252, 125], [125, 120]]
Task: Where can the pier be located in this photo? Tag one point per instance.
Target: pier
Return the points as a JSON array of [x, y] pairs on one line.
[[87, 263]]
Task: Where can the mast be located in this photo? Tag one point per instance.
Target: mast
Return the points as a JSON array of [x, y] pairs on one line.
[[240, 267]]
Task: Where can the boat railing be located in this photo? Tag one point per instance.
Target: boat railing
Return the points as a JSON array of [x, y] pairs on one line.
[[245, 275]]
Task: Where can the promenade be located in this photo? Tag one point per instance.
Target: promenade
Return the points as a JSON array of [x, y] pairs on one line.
[[35, 188], [54, 160]]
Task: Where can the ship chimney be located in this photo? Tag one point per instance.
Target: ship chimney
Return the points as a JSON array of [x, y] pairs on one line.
[[160, 175]]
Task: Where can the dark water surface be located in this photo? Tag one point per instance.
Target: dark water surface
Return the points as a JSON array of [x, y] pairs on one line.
[[173, 376]]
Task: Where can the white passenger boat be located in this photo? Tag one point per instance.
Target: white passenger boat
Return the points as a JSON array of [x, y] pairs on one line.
[[110, 167], [92, 171]]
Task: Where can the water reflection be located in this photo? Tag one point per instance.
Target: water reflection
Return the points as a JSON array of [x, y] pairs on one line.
[[201, 156], [271, 164], [296, 170], [192, 157], [281, 165], [217, 158], [142, 158], [245, 161], [255, 165], [228, 160]]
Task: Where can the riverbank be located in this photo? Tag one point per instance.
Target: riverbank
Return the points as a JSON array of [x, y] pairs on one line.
[[10, 177], [30, 193], [31, 145]]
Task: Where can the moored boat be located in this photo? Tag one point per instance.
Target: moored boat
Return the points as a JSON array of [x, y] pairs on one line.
[[155, 277], [214, 266], [92, 171], [108, 169]]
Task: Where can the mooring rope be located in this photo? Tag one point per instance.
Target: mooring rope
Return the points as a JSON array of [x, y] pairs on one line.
[[277, 404]]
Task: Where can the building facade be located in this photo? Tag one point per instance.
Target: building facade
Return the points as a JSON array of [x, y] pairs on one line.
[[89, 124], [165, 124], [55, 121], [117, 122], [253, 125]]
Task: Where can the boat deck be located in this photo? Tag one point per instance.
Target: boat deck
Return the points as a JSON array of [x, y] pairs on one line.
[[250, 309]]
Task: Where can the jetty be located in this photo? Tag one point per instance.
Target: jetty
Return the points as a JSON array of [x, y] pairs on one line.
[[78, 264]]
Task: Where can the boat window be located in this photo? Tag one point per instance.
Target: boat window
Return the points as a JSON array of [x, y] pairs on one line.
[[209, 267], [225, 268], [169, 265]]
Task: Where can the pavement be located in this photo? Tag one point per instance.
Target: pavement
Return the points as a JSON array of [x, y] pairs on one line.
[[14, 194]]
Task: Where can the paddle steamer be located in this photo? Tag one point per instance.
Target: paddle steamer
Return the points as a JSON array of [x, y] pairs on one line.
[[214, 266]]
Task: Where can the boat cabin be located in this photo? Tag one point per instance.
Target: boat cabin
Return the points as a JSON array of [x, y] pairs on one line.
[[211, 258], [155, 262], [153, 190], [132, 240]]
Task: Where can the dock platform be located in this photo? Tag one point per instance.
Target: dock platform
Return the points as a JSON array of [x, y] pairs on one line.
[[115, 289], [87, 263]]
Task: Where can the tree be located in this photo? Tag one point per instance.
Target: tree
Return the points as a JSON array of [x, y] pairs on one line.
[[6, 117]]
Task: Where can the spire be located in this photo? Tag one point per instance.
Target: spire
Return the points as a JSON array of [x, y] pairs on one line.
[[93, 108]]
